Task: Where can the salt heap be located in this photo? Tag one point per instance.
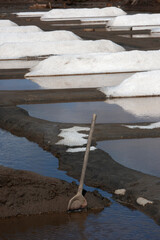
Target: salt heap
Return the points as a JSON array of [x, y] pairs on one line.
[[7, 23], [82, 12], [135, 20], [140, 84], [19, 50], [127, 61], [21, 29], [37, 36]]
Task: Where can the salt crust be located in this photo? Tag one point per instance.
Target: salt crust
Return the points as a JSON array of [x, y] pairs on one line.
[[120, 191], [72, 137], [150, 126], [142, 201], [83, 149]]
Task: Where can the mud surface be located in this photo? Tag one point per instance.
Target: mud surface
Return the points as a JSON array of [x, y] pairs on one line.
[[102, 171], [27, 193]]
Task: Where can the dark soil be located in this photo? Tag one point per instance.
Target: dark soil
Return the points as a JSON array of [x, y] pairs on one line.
[[27, 193]]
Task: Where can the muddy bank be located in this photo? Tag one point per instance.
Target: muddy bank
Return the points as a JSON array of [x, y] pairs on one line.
[[27, 193], [102, 171], [45, 133]]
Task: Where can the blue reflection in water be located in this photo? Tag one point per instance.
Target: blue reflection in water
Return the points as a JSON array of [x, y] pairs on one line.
[[18, 84], [139, 154], [81, 112], [113, 223]]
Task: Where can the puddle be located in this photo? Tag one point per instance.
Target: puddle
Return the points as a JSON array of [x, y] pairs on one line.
[[18, 84], [131, 110], [139, 154], [80, 81], [115, 222]]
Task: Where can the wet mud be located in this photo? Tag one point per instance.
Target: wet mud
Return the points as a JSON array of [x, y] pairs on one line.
[[102, 171], [27, 193]]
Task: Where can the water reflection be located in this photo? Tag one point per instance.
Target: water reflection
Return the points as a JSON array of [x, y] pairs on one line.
[[139, 154], [18, 84], [144, 107], [111, 111], [116, 222], [113, 223], [80, 81]]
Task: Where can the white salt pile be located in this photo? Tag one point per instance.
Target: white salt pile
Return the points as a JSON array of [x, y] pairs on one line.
[[140, 84], [7, 23], [135, 20], [21, 29], [98, 63], [81, 13], [38, 36], [19, 50]]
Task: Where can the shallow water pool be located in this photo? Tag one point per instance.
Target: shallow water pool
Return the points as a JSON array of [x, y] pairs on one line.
[[139, 154], [18, 84], [113, 223], [111, 111]]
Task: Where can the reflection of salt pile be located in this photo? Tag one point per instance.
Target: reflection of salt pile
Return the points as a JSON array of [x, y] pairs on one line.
[[37, 36], [82, 12], [98, 63], [7, 23], [141, 107], [19, 50], [140, 84], [80, 81], [22, 29], [135, 20]]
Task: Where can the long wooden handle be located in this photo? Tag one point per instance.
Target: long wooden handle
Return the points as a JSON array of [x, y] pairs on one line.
[[85, 161]]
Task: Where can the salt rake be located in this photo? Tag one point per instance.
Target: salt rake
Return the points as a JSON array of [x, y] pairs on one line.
[[79, 201]]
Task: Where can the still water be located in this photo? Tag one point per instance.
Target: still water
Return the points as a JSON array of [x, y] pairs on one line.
[[139, 154], [113, 223], [111, 111], [18, 84]]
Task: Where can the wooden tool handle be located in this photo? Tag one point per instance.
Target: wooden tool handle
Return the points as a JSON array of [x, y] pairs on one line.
[[85, 161]]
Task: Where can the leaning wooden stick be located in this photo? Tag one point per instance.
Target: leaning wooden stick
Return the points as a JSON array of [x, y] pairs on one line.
[[78, 201]]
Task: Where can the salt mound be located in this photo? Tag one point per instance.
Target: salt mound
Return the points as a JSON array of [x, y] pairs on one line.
[[21, 29], [140, 84], [135, 20], [38, 36], [82, 12], [19, 50], [7, 23], [98, 63]]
